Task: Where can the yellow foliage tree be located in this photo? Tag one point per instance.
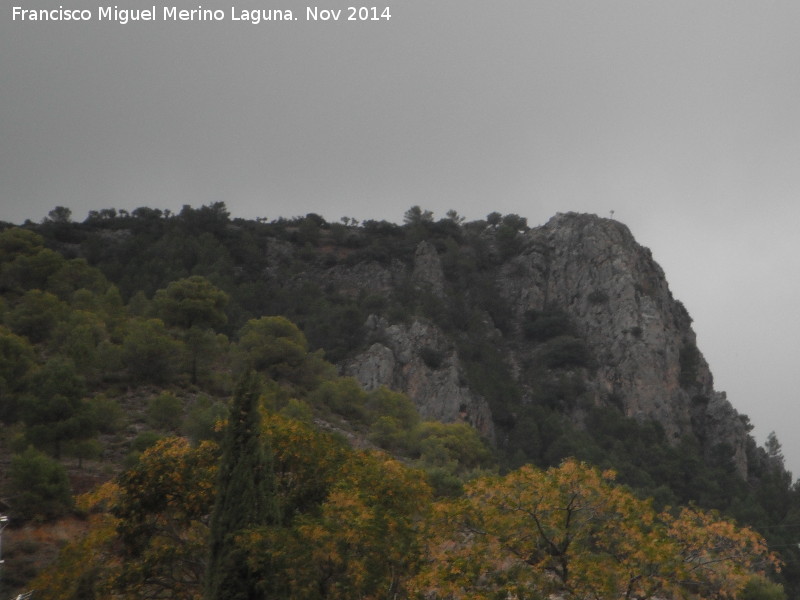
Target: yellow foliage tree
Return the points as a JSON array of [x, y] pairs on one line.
[[570, 531], [362, 543], [148, 533]]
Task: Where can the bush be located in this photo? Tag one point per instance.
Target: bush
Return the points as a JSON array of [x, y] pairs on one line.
[[149, 352], [200, 423], [145, 440], [432, 358], [106, 414], [342, 396], [689, 360], [444, 483], [39, 486], [384, 402], [565, 352], [36, 315], [165, 412], [142, 442], [85, 450], [387, 433], [759, 588], [540, 326]]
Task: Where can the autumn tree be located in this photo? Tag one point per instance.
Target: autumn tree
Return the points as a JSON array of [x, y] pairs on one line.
[[147, 530], [366, 543], [570, 531], [306, 463], [362, 542], [245, 496], [161, 507]]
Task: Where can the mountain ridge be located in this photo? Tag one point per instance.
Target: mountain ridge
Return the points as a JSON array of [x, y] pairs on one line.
[[430, 307]]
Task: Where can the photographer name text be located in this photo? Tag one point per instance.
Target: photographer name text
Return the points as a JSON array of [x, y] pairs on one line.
[[124, 16]]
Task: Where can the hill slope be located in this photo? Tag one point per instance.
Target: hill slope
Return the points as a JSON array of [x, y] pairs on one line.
[[556, 341]]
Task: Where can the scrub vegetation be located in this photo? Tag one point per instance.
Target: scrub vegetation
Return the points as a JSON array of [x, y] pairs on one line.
[[155, 387]]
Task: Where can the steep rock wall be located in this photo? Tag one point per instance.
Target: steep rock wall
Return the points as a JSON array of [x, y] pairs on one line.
[[419, 360], [642, 337], [647, 361]]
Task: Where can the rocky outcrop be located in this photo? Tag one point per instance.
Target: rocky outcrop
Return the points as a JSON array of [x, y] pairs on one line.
[[370, 277], [428, 271], [419, 360], [642, 337], [646, 358]]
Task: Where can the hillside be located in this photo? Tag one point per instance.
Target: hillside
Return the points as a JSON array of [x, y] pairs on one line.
[[474, 321], [549, 342]]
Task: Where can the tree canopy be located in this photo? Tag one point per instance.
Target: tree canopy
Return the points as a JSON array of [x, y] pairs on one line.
[[570, 532]]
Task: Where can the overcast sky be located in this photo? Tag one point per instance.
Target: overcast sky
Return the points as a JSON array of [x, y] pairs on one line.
[[681, 116]]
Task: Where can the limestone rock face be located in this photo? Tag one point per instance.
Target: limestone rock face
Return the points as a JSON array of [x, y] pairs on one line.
[[646, 361], [418, 360], [428, 271], [369, 277], [618, 296]]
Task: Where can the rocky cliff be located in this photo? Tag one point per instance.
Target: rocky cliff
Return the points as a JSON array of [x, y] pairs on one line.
[[642, 337], [643, 356]]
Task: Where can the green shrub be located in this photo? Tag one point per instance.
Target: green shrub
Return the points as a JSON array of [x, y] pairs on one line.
[[85, 450], [387, 433], [432, 358], [149, 352], [689, 361], [383, 402], [165, 412], [142, 442], [342, 396], [201, 420], [39, 486], [459, 444], [444, 483], [297, 410], [540, 326], [106, 414], [565, 352], [760, 588], [145, 440]]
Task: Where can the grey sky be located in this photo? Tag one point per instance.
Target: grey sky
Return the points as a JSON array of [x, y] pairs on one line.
[[682, 116]]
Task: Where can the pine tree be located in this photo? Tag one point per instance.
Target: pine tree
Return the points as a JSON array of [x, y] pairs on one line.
[[245, 497]]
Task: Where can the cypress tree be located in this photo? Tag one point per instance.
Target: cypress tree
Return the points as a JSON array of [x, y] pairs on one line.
[[245, 497]]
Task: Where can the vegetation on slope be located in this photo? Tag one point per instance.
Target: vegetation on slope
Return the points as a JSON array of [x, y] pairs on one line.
[[96, 376]]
